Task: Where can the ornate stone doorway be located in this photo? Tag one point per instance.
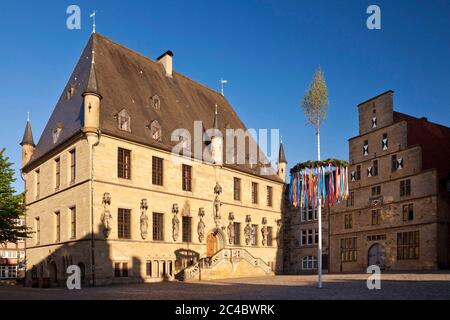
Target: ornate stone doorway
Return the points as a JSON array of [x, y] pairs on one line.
[[215, 242], [212, 244], [377, 255]]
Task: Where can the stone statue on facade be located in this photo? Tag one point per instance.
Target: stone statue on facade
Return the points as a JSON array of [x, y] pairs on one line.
[[248, 230], [230, 229], [144, 219], [201, 225], [264, 231], [175, 222], [106, 217]]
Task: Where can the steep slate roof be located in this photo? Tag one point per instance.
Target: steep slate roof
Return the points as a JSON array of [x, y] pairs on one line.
[[434, 140], [128, 80]]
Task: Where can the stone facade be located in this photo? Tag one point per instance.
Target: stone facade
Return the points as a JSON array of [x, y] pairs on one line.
[[398, 208], [380, 223], [76, 221]]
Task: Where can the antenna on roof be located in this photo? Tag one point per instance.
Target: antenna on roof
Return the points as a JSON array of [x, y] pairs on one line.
[[222, 82], [93, 14]]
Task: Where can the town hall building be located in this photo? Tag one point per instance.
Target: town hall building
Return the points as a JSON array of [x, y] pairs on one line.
[[105, 192]]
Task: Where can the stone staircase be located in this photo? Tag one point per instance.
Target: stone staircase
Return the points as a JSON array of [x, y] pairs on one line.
[[236, 262]]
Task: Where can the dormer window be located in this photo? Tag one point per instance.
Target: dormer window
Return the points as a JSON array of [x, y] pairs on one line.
[[70, 93], [124, 121], [366, 148], [156, 102], [155, 129], [56, 133], [385, 142]]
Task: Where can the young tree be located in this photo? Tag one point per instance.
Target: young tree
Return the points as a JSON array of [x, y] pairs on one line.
[[11, 205], [314, 105]]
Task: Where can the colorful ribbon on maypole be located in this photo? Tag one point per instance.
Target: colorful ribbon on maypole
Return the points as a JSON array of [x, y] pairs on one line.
[[325, 180]]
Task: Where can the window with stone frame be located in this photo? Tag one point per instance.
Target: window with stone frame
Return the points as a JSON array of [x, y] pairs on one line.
[[374, 119], [308, 213], [405, 188], [124, 223], [73, 223], [237, 189], [375, 168], [187, 229], [408, 245], [237, 233], [254, 235], [124, 121], [408, 212], [358, 172], [57, 173], [254, 193], [366, 148], [158, 226], [269, 196], [351, 199], [348, 250], [58, 226], [309, 263], [38, 182], [73, 165], [157, 171], [124, 163], [37, 222], [376, 217], [156, 131], [385, 142], [348, 221], [376, 191], [187, 177]]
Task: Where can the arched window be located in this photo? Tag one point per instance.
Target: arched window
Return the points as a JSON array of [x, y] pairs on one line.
[[155, 129], [124, 121], [156, 102], [309, 263]]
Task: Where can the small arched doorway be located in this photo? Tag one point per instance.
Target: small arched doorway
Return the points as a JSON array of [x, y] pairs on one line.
[[376, 255], [53, 273]]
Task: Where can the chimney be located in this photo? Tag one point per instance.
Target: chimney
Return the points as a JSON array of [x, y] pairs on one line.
[[166, 59], [424, 119]]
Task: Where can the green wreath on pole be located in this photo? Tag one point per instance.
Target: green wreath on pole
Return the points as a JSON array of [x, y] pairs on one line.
[[322, 163]]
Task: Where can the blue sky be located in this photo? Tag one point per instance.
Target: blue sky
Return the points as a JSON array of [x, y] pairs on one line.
[[267, 50]]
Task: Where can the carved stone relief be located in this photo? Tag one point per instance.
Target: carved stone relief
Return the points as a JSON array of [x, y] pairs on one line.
[[144, 219], [248, 230], [264, 231], [175, 222], [230, 228], [201, 225], [106, 217], [217, 204]]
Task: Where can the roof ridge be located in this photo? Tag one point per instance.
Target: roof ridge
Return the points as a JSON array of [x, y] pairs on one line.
[[420, 119], [155, 62]]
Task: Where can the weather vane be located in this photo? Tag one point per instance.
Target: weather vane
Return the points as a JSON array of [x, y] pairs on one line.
[[93, 14], [222, 83]]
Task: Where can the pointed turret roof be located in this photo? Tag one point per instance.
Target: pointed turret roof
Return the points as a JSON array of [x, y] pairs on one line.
[[281, 155], [92, 86], [28, 135]]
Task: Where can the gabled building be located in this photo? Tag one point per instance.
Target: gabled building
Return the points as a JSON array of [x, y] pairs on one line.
[[106, 192], [398, 213]]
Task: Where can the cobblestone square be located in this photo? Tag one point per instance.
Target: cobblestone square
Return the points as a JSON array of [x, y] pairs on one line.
[[336, 287]]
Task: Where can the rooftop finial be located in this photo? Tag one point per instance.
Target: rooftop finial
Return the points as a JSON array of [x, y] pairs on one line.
[[281, 139], [222, 83], [93, 14], [216, 109], [28, 116]]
